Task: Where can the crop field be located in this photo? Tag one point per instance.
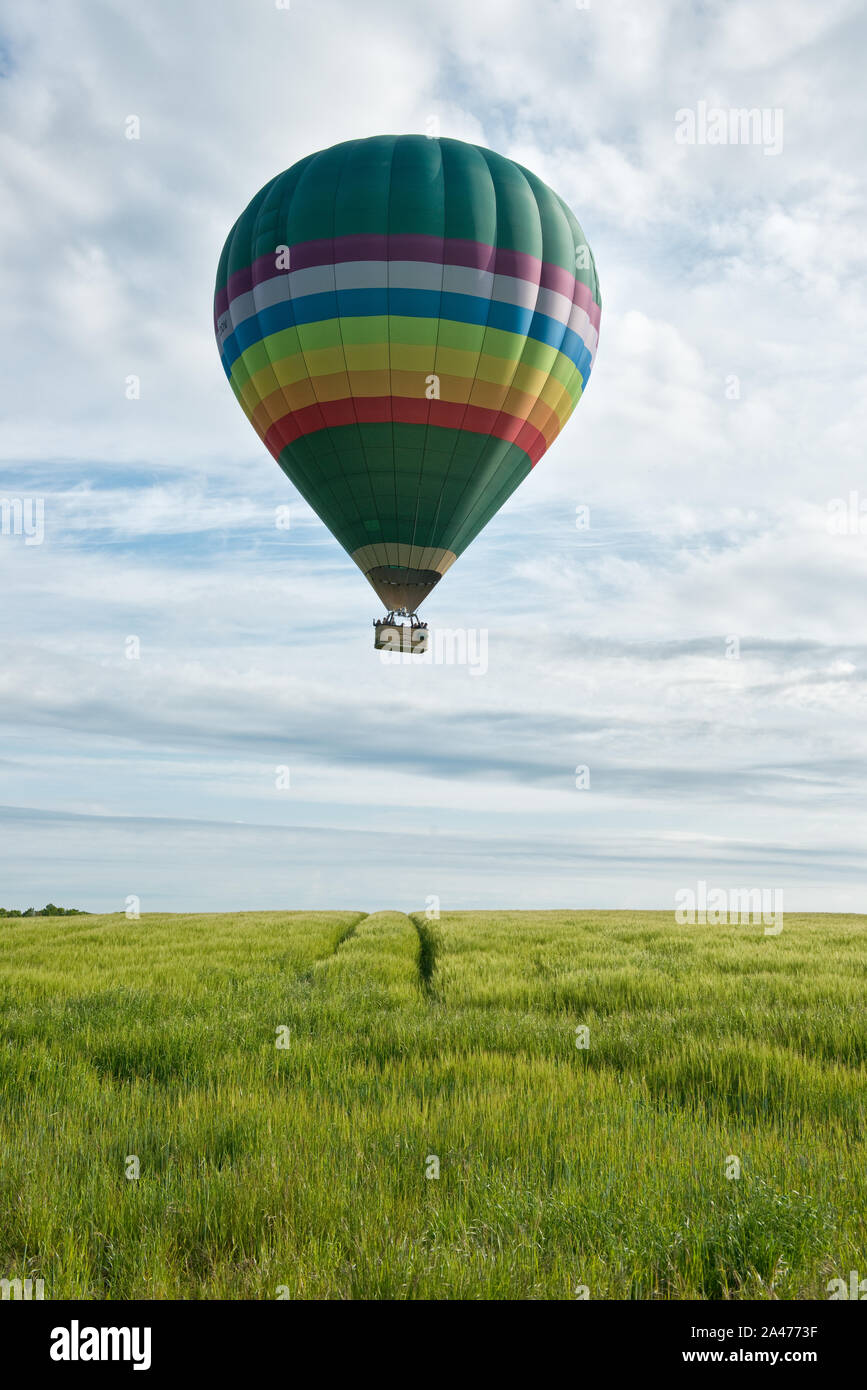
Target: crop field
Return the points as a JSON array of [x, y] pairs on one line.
[[491, 1105]]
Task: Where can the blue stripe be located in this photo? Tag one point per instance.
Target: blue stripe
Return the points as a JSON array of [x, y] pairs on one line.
[[422, 304]]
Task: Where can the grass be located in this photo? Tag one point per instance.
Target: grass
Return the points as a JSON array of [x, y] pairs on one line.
[[302, 1168]]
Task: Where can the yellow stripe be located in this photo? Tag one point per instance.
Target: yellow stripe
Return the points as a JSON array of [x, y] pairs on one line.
[[451, 363], [548, 411]]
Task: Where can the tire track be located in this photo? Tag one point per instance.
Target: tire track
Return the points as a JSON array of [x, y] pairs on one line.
[[429, 944], [348, 931]]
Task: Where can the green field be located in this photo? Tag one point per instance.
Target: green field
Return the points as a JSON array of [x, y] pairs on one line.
[[303, 1168]]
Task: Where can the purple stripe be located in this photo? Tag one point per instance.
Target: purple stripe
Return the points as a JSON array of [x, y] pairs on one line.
[[438, 250], [583, 297]]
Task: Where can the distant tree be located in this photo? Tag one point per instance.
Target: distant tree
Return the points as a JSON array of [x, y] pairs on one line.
[[49, 910]]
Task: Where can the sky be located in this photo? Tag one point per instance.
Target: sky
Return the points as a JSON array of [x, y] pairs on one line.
[[663, 675]]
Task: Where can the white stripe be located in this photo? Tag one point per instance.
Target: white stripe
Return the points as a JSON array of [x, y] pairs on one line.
[[405, 275]]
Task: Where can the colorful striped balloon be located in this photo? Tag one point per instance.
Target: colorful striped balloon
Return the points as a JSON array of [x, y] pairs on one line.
[[408, 323]]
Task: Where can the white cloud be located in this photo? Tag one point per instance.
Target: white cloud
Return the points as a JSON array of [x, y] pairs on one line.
[[709, 510]]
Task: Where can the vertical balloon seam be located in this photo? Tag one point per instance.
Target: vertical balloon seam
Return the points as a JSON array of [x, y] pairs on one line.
[[558, 346], [254, 241], [390, 405], [236, 232], [475, 487], [433, 537], [580, 373], [584, 365], [301, 480], [523, 348], [472, 524], [298, 448], [580, 369], [570, 233], [229, 250], [595, 293], [471, 483], [491, 449], [326, 437], [502, 412], [252, 214], [284, 220], [303, 470], [435, 525], [338, 307], [433, 365], [583, 372], [263, 397], [325, 444]]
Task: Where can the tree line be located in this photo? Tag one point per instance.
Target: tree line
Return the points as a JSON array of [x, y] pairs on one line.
[[49, 910]]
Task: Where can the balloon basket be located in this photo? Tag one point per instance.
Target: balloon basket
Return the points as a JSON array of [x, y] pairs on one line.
[[412, 639]]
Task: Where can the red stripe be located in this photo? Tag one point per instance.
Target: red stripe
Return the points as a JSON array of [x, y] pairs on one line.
[[406, 410]]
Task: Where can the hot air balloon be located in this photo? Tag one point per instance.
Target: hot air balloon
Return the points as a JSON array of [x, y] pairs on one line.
[[408, 323]]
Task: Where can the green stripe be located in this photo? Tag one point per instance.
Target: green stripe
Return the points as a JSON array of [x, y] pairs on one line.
[[408, 184], [409, 483], [415, 332]]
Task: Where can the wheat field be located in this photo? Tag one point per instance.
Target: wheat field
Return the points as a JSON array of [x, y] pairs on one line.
[[493, 1105]]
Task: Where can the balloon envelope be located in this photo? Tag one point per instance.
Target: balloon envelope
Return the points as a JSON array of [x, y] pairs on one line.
[[408, 323]]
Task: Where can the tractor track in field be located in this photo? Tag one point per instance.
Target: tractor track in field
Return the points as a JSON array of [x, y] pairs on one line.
[[347, 932], [340, 940], [429, 943]]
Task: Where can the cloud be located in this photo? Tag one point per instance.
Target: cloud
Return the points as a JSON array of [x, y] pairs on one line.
[[237, 867], [726, 410]]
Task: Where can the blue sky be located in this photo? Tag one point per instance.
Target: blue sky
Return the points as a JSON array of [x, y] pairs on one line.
[[700, 647]]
